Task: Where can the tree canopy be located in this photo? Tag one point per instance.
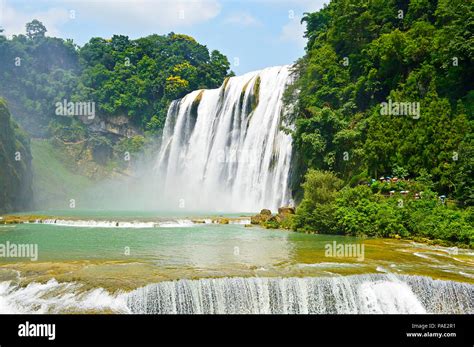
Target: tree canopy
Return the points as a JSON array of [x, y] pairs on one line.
[[362, 54], [124, 77]]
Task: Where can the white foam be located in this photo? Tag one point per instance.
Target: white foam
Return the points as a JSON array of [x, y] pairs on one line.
[[239, 221], [356, 294], [180, 223], [116, 224], [388, 297], [328, 265], [54, 297], [97, 223]]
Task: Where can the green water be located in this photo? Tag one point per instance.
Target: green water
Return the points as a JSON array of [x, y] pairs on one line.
[[125, 258]]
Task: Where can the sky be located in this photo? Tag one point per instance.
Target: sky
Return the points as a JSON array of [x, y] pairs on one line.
[[253, 34]]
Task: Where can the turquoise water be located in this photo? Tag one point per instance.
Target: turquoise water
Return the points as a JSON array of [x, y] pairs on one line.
[[88, 268], [175, 245], [136, 254], [198, 244]]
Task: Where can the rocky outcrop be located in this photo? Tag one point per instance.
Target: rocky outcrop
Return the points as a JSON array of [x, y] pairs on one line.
[[280, 220], [119, 126], [286, 211], [262, 217], [15, 165]]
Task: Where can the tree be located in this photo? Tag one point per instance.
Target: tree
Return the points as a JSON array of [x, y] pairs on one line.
[[35, 29], [358, 56], [315, 213]]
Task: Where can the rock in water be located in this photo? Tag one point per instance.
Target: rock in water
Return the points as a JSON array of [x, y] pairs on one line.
[[285, 211], [262, 217]]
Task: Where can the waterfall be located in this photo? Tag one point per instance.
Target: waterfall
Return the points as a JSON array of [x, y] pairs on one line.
[[223, 149], [358, 294], [365, 294]]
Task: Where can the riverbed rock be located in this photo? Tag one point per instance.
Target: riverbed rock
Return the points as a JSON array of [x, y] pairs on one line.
[[262, 217], [255, 219], [198, 221], [273, 222], [286, 211], [266, 212]]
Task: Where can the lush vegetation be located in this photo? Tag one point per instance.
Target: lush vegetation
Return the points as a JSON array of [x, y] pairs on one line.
[[131, 82], [37, 72], [365, 210], [132, 78], [139, 78], [15, 164], [360, 55]]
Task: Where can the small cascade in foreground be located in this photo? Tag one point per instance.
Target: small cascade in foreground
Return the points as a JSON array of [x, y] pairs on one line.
[[356, 294], [359, 294], [224, 149]]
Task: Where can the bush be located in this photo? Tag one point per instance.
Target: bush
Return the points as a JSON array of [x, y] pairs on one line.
[[134, 144], [315, 213], [364, 211]]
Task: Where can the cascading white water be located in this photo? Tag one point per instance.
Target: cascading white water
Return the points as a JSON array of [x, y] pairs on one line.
[[223, 149], [357, 294], [360, 294]]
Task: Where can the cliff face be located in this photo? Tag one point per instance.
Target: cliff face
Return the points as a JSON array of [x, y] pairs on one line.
[[15, 165]]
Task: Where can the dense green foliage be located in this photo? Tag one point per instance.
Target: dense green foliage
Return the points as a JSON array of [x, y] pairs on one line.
[[363, 53], [132, 78], [366, 211], [37, 72], [130, 82], [139, 78], [15, 164]]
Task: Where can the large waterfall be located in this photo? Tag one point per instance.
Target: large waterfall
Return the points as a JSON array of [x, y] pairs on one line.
[[224, 149]]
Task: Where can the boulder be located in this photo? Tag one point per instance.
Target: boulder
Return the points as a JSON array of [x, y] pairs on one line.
[[262, 217], [285, 211], [223, 221], [273, 222], [256, 219]]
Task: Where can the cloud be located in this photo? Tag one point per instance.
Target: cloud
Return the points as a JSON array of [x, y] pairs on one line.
[[163, 14], [242, 19], [13, 21], [293, 31], [116, 15]]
